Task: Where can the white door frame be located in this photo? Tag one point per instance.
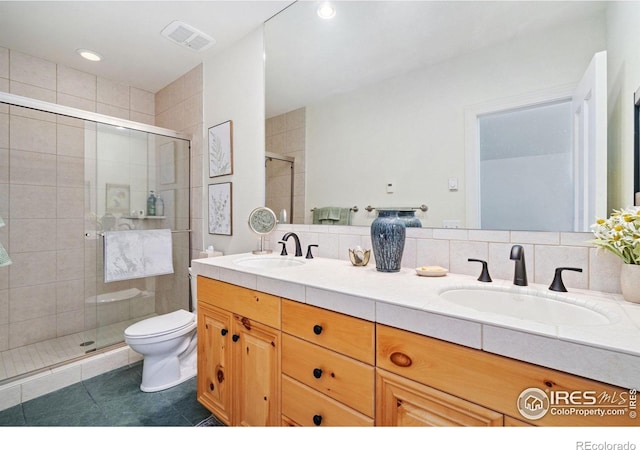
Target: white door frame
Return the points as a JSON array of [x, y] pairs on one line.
[[589, 109]]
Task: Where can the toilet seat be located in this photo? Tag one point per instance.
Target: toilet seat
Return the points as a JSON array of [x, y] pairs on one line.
[[161, 325]]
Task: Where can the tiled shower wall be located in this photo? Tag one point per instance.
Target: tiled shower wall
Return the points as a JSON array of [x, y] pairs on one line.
[[285, 135], [42, 294]]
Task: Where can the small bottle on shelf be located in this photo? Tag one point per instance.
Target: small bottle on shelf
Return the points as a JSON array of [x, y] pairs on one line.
[[151, 204], [159, 206]]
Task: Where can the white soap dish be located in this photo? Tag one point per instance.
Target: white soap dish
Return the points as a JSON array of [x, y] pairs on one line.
[[431, 271]]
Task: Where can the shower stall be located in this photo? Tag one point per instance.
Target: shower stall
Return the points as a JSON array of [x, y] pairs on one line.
[[279, 185], [67, 176]]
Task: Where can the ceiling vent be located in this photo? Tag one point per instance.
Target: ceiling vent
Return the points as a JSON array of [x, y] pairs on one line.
[[187, 36]]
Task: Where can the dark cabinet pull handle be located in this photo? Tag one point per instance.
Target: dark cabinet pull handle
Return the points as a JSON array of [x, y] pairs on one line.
[[224, 331], [317, 372], [317, 420], [317, 329], [235, 337]]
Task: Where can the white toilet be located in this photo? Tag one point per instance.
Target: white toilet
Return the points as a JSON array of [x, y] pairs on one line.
[[168, 345]]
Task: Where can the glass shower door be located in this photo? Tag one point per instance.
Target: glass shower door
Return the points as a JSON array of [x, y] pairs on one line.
[[128, 165]]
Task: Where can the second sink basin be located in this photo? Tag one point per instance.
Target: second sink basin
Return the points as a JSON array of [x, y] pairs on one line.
[[268, 262], [534, 307]]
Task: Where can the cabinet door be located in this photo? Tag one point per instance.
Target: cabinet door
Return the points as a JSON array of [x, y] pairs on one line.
[[256, 373], [214, 361], [402, 402]]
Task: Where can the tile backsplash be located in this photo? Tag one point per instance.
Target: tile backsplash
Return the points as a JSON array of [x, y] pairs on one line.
[[451, 248]]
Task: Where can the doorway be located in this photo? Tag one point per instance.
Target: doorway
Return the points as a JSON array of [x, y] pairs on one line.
[[518, 146], [527, 150]]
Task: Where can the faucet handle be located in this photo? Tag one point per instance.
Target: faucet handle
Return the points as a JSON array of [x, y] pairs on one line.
[[284, 248], [557, 284], [484, 276], [309, 255]]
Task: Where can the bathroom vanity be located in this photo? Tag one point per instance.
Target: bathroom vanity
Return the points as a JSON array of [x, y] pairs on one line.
[[288, 341]]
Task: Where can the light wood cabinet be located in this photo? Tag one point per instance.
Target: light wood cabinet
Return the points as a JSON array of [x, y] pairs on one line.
[[214, 361], [495, 382], [328, 377], [238, 355], [402, 402], [264, 361]]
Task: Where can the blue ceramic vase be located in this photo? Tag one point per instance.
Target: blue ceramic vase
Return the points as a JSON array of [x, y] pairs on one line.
[[388, 233], [410, 219]]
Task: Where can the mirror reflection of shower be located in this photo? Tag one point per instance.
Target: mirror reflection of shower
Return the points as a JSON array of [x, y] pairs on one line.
[[279, 176]]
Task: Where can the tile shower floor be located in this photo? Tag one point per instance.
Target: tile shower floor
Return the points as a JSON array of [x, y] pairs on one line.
[[111, 399], [29, 358]]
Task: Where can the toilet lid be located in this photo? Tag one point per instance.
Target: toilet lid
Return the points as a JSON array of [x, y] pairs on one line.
[[163, 324]]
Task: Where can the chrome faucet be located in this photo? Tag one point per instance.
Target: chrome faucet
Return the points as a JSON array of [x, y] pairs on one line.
[[520, 274], [295, 238]]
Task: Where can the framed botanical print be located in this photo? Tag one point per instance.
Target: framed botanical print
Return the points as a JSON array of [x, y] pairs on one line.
[[220, 219], [221, 149], [117, 199]]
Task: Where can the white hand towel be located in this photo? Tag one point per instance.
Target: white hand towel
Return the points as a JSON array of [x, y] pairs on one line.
[[137, 254]]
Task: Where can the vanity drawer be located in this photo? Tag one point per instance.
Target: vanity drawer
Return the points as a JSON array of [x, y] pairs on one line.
[[258, 306], [348, 335], [307, 407], [483, 378], [341, 378]]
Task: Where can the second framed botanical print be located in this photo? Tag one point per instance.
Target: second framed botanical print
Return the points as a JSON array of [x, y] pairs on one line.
[[221, 149], [220, 209]]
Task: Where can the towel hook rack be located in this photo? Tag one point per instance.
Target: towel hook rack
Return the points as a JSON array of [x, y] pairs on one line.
[[422, 208]]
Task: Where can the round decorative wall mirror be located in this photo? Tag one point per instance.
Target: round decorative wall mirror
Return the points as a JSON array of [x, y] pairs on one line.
[[262, 221]]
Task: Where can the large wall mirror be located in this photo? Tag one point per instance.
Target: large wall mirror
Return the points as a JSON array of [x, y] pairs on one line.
[[400, 104]]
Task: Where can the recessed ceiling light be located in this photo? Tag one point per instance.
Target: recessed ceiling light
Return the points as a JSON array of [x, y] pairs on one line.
[[89, 54], [327, 11]]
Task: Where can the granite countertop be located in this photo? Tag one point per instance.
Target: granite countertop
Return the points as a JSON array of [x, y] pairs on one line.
[[607, 352]]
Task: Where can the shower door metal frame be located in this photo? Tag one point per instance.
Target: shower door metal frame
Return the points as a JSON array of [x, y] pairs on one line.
[[76, 113]]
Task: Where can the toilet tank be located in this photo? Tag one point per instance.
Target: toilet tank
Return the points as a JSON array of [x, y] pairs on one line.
[[193, 285]]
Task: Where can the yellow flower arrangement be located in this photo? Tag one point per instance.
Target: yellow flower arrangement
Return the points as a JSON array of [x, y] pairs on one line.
[[620, 234]]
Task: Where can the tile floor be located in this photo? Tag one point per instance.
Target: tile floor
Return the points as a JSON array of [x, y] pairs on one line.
[[109, 400]]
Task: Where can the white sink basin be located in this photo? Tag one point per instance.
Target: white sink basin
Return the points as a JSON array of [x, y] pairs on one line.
[[268, 262], [534, 307]]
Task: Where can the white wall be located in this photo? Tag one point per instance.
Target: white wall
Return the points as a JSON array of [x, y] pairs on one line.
[[623, 76], [418, 123], [234, 90]]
